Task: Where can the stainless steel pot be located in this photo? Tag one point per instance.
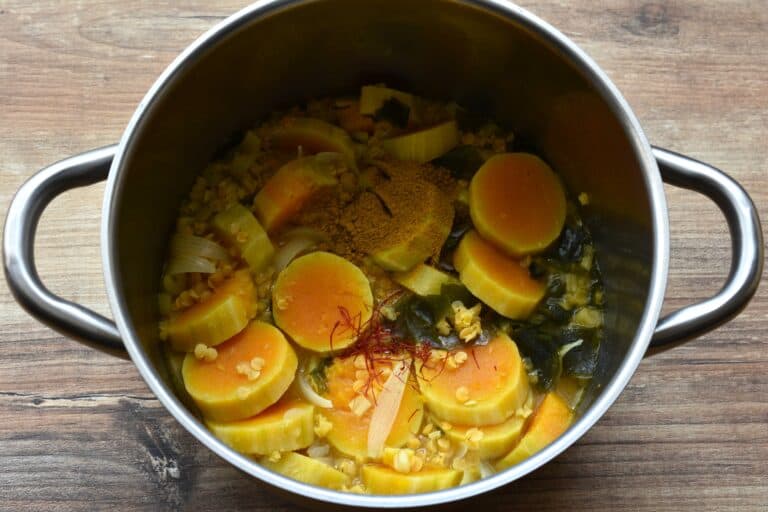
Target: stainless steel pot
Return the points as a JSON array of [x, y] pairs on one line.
[[486, 54]]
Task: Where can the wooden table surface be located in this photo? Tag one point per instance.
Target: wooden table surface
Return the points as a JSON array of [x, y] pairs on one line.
[[80, 430]]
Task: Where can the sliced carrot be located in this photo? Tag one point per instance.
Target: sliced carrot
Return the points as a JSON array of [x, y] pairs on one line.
[[486, 389], [225, 313], [349, 433], [517, 202], [295, 183], [500, 281], [313, 136], [320, 299], [285, 426], [550, 420], [251, 372]]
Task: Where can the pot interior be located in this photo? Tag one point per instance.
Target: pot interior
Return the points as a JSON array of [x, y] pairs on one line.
[[484, 60]]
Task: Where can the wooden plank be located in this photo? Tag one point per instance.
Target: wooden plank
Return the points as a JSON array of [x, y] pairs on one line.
[[79, 430]]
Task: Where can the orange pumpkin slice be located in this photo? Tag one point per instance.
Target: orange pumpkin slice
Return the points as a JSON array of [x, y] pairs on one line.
[[313, 136], [495, 278], [517, 202], [285, 426], [319, 299], [251, 372], [550, 420], [225, 313], [380, 479], [349, 433], [486, 389], [293, 185]]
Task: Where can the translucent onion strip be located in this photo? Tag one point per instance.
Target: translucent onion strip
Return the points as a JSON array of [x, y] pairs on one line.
[[485, 469], [311, 395], [387, 406], [183, 264], [290, 250], [190, 245]]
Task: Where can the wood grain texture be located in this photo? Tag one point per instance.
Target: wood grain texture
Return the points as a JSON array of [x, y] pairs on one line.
[[81, 431]]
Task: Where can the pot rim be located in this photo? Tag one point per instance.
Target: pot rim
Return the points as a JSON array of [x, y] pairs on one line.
[[639, 344]]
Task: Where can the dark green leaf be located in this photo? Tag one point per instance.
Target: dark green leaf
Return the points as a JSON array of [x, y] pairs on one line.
[[542, 351], [462, 161], [394, 111], [460, 227], [570, 246], [581, 361], [317, 374]]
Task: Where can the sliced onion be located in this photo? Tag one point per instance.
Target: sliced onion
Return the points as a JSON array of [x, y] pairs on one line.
[[387, 405], [181, 264], [190, 245], [486, 469], [311, 395], [290, 250], [318, 450], [570, 346]]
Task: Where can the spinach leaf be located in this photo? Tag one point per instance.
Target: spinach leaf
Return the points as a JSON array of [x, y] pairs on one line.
[[417, 316], [317, 374], [570, 246], [394, 111], [462, 161], [461, 224], [541, 349], [581, 361]]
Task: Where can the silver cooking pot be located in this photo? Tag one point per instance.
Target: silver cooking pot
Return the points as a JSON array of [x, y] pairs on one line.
[[488, 55]]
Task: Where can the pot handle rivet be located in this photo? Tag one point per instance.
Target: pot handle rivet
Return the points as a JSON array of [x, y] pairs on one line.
[[746, 250], [33, 197]]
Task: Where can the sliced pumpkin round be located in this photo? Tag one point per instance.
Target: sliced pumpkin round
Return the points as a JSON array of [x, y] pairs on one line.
[[320, 300], [285, 426], [485, 390], [225, 313], [550, 420], [517, 202], [380, 479], [493, 440], [305, 469], [251, 371], [354, 391], [500, 281]]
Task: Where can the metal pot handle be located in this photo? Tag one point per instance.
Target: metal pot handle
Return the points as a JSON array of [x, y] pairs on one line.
[[746, 250], [28, 204]]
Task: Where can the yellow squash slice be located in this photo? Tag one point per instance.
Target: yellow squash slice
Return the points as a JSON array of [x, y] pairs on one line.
[[239, 228], [251, 372], [225, 313], [494, 440], [380, 479], [287, 425], [307, 470], [424, 145], [425, 280]]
